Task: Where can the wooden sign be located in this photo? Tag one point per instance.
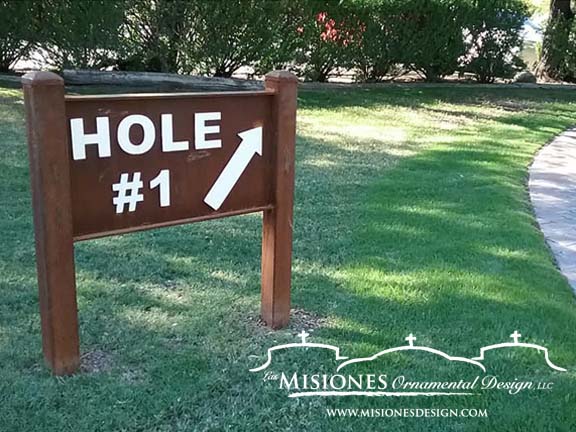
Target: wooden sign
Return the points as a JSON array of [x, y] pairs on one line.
[[111, 164]]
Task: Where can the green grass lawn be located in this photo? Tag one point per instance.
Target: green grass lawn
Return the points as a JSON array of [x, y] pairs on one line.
[[411, 215]]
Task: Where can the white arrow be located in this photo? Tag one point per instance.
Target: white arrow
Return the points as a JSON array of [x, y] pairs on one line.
[[251, 144]]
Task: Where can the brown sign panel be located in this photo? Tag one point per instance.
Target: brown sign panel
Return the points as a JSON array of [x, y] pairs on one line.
[[103, 165], [145, 161]]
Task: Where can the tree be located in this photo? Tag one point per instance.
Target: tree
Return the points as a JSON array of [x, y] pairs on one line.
[[561, 8], [557, 42]]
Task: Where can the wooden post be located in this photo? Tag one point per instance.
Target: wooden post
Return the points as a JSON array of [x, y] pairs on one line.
[[49, 172], [277, 223]]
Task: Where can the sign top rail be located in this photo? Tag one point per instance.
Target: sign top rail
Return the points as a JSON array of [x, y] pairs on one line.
[[180, 95]]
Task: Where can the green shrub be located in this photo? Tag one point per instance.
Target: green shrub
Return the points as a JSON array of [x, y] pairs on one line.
[[155, 35], [285, 40], [328, 33], [377, 53], [81, 34], [17, 33], [437, 37], [229, 34], [430, 36], [493, 38]]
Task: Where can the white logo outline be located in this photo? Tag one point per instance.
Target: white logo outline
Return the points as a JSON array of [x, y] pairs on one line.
[[347, 361]]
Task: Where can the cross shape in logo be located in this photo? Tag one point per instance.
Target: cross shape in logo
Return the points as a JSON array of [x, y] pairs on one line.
[[303, 335], [411, 338]]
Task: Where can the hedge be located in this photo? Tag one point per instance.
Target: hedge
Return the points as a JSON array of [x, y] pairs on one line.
[[315, 38]]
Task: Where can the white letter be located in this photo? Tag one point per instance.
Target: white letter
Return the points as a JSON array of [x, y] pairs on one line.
[[168, 143], [162, 180], [201, 130], [149, 134], [284, 383], [81, 139]]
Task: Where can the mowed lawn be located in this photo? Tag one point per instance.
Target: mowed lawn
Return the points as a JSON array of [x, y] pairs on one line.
[[411, 216]]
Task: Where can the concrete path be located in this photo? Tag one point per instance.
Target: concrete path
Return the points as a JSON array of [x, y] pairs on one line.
[[553, 193]]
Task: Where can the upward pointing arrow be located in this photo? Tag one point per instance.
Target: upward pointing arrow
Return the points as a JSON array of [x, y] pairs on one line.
[[251, 144]]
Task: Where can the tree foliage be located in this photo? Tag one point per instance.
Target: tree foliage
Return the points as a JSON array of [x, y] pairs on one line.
[[559, 46]]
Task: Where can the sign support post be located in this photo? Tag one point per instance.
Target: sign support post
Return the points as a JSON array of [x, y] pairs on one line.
[[50, 178], [278, 221], [112, 164]]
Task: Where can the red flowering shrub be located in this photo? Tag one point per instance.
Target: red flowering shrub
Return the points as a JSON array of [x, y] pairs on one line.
[[328, 36]]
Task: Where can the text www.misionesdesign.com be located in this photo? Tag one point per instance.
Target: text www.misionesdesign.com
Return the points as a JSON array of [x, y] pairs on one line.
[[405, 412]]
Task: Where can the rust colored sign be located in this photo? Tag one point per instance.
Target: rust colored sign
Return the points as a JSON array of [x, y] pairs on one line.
[[110, 164], [144, 161]]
